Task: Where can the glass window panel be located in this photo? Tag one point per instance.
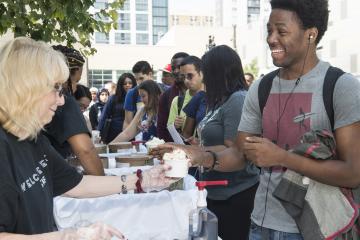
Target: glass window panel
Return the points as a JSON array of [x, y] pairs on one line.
[[142, 38], [141, 5], [141, 22], [101, 38], [122, 38]]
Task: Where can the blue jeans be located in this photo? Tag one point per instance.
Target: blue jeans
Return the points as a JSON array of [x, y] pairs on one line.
[[258, 233]]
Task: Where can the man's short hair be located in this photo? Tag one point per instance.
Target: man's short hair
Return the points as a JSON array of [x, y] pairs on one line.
[[193, 60], [311, 13], [142, 67], [180, 55]]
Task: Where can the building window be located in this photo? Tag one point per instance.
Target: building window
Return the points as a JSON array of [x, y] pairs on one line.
[[353, 63], [160, 3], [160, 21], [101, 4], [141, 5], [98, 78], [124, 21], [141, 22], [101, 38], [126, 6], [142, 38], [159, 11], [100, 17], [122, 38]]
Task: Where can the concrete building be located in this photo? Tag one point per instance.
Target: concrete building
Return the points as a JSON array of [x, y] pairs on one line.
[[191, 20], [112, 60], [141, 23], [236, 12], [339, 45]]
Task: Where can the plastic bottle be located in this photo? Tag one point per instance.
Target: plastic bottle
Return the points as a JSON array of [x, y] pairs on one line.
[[203, 224]]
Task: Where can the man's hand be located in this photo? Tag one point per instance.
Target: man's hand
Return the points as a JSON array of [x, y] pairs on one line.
[[263, 153], [179, 121]]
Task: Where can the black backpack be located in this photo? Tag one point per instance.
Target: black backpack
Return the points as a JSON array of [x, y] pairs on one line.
[[331, 77]]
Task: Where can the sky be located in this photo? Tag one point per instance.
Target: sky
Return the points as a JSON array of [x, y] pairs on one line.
[[203, 7]]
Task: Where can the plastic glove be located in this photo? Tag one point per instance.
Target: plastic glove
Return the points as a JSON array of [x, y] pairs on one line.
[[154, 179], [95, 231]]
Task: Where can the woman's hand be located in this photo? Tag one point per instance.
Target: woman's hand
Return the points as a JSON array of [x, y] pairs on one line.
[[96, 231], [154, 179]]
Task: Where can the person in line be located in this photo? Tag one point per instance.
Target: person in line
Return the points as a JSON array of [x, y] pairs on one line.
[[67, 130], [145, 119], [32, 173], [225, 92], [142, 72], [94, 95], [249, 78], [114, 108], [195, 110], [97, 108], [83, 97], [177, 89]]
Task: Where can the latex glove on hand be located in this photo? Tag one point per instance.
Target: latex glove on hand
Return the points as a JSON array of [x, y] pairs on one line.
[[154, 179], [95, 231]]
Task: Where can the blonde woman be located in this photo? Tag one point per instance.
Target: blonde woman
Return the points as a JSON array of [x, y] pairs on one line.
[[31, 171], [145, 119]]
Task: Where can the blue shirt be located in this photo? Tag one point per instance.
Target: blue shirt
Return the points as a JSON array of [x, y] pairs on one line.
[[196, 108], [130, 105]]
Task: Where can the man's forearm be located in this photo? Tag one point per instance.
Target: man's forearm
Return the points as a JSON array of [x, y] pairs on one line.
[[331, 172], [229, 158]]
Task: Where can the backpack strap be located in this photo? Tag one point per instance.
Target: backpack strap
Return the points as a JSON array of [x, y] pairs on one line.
[[180, 102], [265, 88], [331, 77]]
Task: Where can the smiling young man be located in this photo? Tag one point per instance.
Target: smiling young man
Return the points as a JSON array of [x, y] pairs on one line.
[[295, 28]]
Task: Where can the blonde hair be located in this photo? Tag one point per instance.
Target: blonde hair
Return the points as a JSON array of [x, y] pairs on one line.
[[29, 70]]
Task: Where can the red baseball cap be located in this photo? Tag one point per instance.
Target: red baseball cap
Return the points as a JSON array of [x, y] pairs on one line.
[[167, 68]]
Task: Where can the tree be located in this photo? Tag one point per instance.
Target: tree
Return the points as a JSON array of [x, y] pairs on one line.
[[252, 68], [68, 21]]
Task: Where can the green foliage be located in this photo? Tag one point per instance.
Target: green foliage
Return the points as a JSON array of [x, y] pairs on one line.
[[62, 21], [252, 68]]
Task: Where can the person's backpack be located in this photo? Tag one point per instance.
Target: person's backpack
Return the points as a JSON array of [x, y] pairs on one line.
[[331, 77]]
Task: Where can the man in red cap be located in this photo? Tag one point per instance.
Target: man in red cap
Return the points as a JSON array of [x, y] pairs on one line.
[[167, 77]]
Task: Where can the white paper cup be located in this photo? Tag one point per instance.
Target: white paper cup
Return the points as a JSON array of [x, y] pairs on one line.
[[179, 168]]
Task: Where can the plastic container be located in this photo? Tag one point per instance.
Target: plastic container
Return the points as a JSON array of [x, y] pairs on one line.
[[203, 224]]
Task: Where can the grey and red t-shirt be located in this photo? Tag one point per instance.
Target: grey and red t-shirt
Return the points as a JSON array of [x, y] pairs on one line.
[[304, 111]]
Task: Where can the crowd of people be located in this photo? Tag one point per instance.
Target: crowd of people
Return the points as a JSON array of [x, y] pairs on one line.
[[235, 128]]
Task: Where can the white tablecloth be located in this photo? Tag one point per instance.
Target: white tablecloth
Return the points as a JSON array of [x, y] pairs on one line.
[[162, 215]]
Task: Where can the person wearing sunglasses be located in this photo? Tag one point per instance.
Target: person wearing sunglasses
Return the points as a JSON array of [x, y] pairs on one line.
[[32, 173], [68, 132], [191, 72], [178, 88]]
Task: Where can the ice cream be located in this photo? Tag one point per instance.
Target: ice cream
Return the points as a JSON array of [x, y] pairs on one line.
[[154, 142], [179, 163]]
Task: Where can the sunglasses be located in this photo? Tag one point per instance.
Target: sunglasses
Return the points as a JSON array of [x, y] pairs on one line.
[[187, 76], [59, 89]]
